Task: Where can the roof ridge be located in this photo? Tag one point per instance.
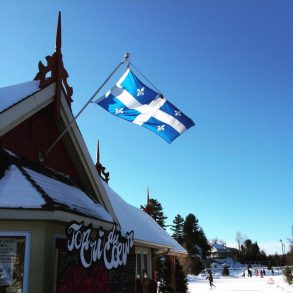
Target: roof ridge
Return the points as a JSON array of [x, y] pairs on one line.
[[49, 202]]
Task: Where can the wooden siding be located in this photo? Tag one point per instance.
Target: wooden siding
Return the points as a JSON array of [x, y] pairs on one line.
[[36, 134]]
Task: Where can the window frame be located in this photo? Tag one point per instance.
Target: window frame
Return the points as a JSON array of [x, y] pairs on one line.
[[141, 252], [26, 265]]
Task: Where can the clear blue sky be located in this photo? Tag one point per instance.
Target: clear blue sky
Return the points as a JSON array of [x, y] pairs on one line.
[[227, 64]]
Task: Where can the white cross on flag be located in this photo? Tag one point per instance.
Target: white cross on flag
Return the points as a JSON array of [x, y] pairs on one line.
[[132, 100]]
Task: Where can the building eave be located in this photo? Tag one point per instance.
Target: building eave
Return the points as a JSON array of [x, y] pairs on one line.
[[21, 111], [162, 249], [55, 215]]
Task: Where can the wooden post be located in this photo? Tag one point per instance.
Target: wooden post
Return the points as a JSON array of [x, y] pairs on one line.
[[173, 270]]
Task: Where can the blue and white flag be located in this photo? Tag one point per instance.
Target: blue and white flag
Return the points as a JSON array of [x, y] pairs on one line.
[[132, 100]]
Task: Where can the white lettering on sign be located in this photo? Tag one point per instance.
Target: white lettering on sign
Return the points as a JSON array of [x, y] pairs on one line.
[[8, 247], [110, 247]]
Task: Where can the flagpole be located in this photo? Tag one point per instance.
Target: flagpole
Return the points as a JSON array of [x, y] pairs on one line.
[[43, 156]]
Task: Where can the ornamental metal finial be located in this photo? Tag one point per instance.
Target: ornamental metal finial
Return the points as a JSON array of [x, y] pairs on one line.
[[58, 35], [100, 168], [54, 71]]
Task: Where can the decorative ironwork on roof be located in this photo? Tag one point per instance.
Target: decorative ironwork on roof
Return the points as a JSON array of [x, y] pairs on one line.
[[54, 71], [100, 168]]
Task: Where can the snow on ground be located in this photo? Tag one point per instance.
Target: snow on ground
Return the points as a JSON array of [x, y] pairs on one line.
[[235, 283]]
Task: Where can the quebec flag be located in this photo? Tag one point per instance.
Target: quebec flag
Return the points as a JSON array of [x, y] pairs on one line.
[[132, 100]]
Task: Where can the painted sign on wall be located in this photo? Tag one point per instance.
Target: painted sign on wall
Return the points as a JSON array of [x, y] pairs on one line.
[[108, 246]]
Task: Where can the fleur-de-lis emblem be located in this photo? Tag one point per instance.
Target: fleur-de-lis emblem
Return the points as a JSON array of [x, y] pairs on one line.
[[177, 113], [119, 111], [161, 127], [140, 92]]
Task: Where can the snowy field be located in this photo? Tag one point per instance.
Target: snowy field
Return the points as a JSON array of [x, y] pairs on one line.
[[235, 283]]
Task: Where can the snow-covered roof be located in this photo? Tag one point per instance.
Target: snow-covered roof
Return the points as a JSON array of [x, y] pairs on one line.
[[28, 185], [219, 247], [11, 95], [145, 227]]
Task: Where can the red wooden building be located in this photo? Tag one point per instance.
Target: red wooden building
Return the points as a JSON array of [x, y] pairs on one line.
[[62, 228]]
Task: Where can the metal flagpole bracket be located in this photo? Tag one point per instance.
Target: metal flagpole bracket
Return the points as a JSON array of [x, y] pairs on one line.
[[44, 156]]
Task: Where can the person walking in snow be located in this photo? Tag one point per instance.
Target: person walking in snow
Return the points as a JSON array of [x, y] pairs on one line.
[[261, 274], [210, 277], [249, 272]]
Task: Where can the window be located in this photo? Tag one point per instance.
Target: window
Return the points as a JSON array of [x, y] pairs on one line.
[[14, 261], [143, 263], [138, 266]]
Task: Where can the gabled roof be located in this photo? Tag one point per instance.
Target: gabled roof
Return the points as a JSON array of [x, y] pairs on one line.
[[146, 229], [26, 185], [27, 99], [220, 248], [20, 102]]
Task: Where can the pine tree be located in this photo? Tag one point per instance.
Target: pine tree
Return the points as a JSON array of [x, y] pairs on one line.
[[163, 266], [255, 251], [288, 275], [194, 241], [190, 229], [203, 242], [155, 210], [177, 229], [196, 265], [181, 279], [250, 252]]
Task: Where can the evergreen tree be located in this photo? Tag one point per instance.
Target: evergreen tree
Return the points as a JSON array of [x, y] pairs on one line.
[[255, 251], [250, 252], [203, 242], [196, 265], [163, 266], [288, 275], [193, 238], [190, 229], [225, 271], [181, 279], [155, 210], [164, 276], [177, 229]]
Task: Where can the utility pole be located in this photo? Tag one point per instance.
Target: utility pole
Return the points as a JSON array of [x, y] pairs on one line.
[[283, 250]]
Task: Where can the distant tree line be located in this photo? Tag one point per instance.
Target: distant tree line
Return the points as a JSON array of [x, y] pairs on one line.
[[187, 232], [249, 252]]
